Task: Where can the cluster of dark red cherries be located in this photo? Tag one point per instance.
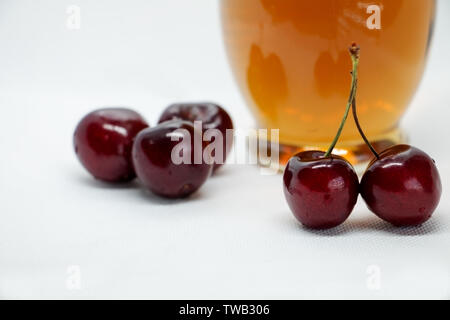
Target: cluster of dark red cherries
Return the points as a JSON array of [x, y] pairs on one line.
[[116, 145], [401, 184]]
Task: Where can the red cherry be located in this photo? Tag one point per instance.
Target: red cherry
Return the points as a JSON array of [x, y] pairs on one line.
[[211, 115], [155, 167], [321, 192], [403, 186], [103, 141]]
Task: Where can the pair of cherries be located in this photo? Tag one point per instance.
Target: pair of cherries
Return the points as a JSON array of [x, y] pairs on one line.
[[401, 185], [117, 144]]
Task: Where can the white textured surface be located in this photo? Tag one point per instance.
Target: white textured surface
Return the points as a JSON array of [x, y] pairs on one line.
[[234, 239]]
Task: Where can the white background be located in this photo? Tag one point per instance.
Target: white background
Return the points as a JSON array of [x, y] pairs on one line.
[[234, 239]]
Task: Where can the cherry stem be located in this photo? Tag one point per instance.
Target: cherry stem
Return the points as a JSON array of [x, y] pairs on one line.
[[361, 132], [354, 52]]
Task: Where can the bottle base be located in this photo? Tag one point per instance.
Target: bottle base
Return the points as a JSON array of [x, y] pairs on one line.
[[356, 152]]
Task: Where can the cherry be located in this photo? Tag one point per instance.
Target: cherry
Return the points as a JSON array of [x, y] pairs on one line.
[[211, 115], [103, 141], [153, 156], [402, 186], [321, 191]]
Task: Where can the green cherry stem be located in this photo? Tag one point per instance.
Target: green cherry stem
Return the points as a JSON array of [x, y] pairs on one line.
[[354, 52], [361, 132]]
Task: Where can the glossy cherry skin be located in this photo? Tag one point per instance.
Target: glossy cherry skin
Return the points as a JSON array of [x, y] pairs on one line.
[[103, 140], [211, 115], [156, 168], [403, 187], [321, 192]]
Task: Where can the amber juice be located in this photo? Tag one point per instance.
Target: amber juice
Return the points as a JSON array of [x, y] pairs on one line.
[[291, 61]]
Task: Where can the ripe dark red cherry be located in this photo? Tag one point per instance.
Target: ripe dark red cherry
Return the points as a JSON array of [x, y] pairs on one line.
[[155, 166], [103, 141], [321, 192], [403, 186], [211, 115]]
